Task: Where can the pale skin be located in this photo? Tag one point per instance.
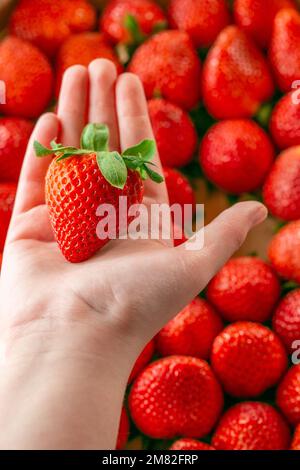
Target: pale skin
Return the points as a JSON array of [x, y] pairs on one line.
[[70, 333]]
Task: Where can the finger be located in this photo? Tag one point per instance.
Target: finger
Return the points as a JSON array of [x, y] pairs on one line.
[[102, 109], [31, 188], [135, 125], [222, 238], [72, 104]]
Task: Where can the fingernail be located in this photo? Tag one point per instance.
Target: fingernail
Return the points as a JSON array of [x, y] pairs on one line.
[[260, 213]]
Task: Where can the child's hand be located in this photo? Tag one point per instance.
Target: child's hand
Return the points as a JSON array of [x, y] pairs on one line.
[[71, 332]]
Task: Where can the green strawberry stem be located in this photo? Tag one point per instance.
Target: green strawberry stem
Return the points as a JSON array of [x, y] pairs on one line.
[[113, 165], [132, 26], [264, 114]]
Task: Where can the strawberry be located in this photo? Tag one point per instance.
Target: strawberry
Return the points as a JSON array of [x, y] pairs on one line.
[[201, 19], [284, 251], [174, 132], [251, 426], [174, 71], [14, 136], [130, 21], [248, 358], [7, 199], [236, 155], [82, 49], [143, 359], [284, 51], [236, 76], [79, 181], [256, 17], [191, 332], [179, 188], [190, 444], [27, 76], [296, 439], [286, 319], [288, 395], [281, 191], [47, 23], [285, 122], [177, 395], [246, 288], [123, 430]]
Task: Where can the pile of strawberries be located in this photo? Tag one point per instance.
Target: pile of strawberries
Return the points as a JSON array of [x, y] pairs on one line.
[[221, 78]]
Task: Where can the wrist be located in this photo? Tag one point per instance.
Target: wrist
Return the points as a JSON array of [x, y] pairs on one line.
[[66, 378]]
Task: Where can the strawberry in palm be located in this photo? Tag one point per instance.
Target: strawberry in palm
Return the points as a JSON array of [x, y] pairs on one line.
[[80, 180]]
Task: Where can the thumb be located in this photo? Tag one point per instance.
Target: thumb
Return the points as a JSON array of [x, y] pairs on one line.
[[221, 239]]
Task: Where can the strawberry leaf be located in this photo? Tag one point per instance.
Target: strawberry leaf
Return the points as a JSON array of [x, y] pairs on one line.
[[40, 150], [159, 27], [95, 138], [145, 151], [113, 168], [156, 177], [132, 26]]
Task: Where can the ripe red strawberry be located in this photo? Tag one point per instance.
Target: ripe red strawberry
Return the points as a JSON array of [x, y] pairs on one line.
[[174, 132], [123, 430], [281, 191], [296, 439], [82, 49], [177, 395], [143, 359], [285, 122], [252, 426], [47, 23], [201, 19], [286, 320], [79, 181], [284, 251], [236, 76], [14, 136], [236, 155], [248, 358], [144, 18], [179, 188], [246, 288], [190, 444], [284, 48], [191, 332], [174, 71], [288, 395], [256, 17], [7, 199], [27, 76]]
